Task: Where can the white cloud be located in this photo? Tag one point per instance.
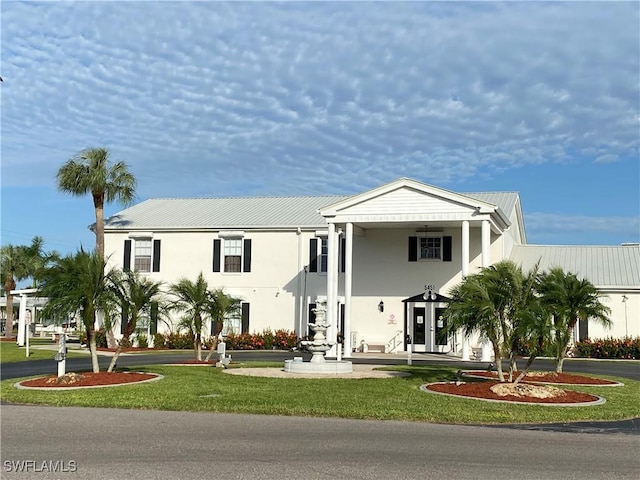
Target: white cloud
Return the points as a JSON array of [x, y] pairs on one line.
[[197, 96]]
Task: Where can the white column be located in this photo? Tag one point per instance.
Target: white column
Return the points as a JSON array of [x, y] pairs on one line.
[[332, 296], [487, 348], [466, 346], [487, 351], [486, 243], [348, 279], [465, 248], [22, 321]]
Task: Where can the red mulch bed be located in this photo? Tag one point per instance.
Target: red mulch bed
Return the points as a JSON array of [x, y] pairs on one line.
[[546, 377], [483, 390], [89, 379]]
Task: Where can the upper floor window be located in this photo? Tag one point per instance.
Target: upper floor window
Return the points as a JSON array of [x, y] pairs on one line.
[[431, 248], [146, 254], [142, 256], [232, 255]]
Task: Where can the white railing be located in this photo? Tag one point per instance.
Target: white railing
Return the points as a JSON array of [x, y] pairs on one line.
[[395, 341]]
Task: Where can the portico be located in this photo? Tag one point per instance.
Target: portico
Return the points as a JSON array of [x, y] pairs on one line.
[[426, 220]]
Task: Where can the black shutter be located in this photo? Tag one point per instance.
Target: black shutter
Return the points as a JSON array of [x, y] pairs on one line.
[[413, 249], [313, 255], [246, 267], [216, 254], [343, 249], [153, 325], [446, 249], [156, 256], [245, 317], [126, 265]]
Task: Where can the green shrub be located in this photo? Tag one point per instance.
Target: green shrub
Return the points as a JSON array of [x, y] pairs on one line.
[[142, 340], [158, 340], [125, 342], [619, 348], [178, 341]]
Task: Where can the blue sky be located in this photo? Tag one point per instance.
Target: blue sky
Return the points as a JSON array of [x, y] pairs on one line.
[[258, 98]]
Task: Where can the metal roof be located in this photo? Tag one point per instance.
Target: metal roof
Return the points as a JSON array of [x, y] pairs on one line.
[[604, 266], [247, 212], [505, 200], [241, 212]]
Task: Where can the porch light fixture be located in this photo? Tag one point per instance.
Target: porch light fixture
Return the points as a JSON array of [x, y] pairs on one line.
[[381, 306]]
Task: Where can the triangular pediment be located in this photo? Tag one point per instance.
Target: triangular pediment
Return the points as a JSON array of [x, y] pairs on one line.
[[407, 197]]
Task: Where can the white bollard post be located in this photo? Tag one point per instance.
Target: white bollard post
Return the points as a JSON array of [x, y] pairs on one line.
[[61, 356]]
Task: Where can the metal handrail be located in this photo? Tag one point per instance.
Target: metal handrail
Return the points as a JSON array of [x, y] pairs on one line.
[[394, 342]]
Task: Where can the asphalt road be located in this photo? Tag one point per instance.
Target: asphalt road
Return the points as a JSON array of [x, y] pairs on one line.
[[127, 444]]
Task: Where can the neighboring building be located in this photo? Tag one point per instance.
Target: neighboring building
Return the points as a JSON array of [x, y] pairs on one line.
[[385, 259]]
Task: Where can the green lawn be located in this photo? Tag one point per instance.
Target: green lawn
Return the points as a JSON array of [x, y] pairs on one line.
[[10, 352], [206, 389]]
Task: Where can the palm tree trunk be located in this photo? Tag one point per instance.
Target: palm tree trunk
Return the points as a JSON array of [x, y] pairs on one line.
[[214, 348], [112, 365], [8, 326], [94, 351], [197, 347], [498, 359], [98, 202], [560, 362], [525, 370]]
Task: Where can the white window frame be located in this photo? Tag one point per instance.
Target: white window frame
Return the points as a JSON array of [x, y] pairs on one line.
[[138, 244], [226, 241], [426, 239]]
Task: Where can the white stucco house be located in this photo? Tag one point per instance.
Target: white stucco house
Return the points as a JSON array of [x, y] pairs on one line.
[[385, 258]]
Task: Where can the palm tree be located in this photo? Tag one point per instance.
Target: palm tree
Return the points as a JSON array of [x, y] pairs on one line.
[[90, 172], [77, 284], [220, 306], [135, 294], [491, 303], [570, 299], [19, 263], [194, 299]]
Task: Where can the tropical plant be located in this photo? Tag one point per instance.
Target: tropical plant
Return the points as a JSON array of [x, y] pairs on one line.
[[19, 263], [80, 285], [194, 299], [492, 303], [570, 299], [91, 172], [221, 306], [134, 294]]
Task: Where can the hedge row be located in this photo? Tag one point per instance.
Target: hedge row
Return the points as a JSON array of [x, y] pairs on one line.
[[625, 348], [266, 340]]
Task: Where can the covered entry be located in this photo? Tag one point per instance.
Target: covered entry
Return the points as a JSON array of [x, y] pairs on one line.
[[425, 324]]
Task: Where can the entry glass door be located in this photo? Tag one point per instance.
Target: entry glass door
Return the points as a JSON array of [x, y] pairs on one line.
[[419, 326]]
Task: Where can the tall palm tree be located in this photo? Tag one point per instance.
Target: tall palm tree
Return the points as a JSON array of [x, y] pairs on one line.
[[78, 285], [19, 263], [491, 303], [135, 294], [220, 306], [91, 172], [570, 299], [194, 299]]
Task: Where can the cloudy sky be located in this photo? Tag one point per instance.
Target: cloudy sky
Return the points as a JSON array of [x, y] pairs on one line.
[[234, 99]]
